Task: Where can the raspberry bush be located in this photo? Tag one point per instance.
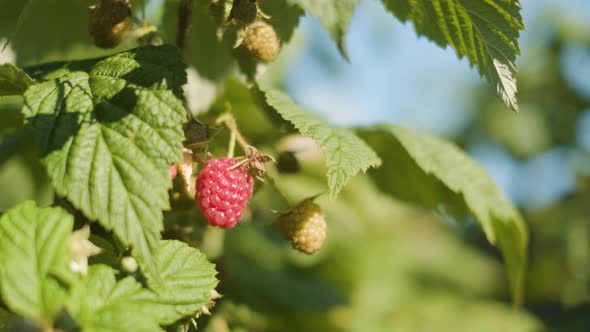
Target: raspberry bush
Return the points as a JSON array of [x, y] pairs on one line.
[[158, 145]]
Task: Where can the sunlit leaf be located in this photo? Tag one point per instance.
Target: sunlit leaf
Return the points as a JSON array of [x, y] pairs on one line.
[[34, 255], [484, 31], [346, 154], [109, 135], [189, 279], [101, 303], [13, 80]]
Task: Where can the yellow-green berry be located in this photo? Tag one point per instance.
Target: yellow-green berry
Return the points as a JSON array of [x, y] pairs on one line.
[[261, 41], [304, 226]]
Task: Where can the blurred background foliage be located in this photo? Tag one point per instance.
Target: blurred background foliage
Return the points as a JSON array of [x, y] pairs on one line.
[[387, 266]]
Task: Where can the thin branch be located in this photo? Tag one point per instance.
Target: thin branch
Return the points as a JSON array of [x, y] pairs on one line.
[[230, 122], [185, 20], [232, 144], [270, 180]]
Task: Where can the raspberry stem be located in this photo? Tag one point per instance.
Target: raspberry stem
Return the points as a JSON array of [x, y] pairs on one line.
[[232, 144], [230, 122], [185, 15], [277, 189]]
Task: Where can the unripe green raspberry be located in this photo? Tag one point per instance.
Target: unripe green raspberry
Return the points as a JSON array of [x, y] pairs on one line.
[[304, 226], [129, 264], [110, 21], [261, 41]]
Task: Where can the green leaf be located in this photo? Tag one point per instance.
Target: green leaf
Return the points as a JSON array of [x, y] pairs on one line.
[[335, 16], [484, 31], [34, 256], [346, 154], [189, 279], [13, 80], [429, 171], [108, 137], [102, 303]]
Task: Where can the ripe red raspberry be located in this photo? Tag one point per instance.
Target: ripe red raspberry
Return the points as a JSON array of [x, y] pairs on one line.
[[173, 171], [223, 191]]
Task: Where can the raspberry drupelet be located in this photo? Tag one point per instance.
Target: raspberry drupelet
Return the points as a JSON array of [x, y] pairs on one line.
[[223, 190]]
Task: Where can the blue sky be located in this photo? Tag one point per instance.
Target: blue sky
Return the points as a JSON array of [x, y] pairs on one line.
[[395, 77]]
